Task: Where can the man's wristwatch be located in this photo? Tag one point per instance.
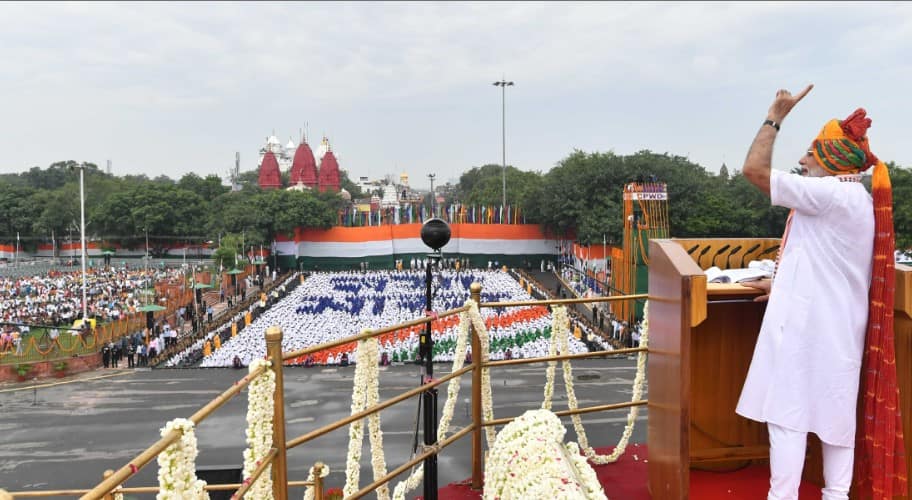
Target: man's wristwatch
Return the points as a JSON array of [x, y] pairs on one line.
[[771, 123]]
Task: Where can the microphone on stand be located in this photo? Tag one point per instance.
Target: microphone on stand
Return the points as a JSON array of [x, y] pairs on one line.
[[749, 251], [728, 259], [691, 251], [702, 253], [768, 250], [719, 251]]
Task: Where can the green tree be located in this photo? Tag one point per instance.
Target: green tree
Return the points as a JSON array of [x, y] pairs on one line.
[[54, 211], [207, 188], [901, 178], [484, 185], [15, 210], [225, 256]]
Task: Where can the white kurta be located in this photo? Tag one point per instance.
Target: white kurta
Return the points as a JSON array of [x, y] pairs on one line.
[[805, 370]]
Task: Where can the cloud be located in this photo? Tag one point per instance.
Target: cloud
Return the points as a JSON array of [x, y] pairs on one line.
[[175, 87]]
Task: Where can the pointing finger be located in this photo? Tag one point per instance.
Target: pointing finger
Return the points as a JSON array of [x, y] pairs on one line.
[[804, 92]]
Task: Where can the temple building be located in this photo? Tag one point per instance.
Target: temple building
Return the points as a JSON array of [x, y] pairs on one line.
[[300, 160], [270, 175], [282, 154], [304, 167]]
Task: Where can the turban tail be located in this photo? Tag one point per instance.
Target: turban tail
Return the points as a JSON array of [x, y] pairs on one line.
[[880, 462]]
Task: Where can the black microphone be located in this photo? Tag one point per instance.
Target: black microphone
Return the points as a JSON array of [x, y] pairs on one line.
[[719, 251], [748, 252], [768, 250], [728, 259], [689, 252], [702, 253]]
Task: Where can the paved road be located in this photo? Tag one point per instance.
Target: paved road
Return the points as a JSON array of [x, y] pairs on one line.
[[64, 436]]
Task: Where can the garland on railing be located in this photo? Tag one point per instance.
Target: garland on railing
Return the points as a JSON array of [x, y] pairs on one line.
[[260, 411], [365, 394], [309, 492], [560, 341], [473, 316], [177, 465], [529, 460]]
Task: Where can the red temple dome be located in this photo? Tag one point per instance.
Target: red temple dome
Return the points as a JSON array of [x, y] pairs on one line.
[[270, 176], [304, 167], [329, 173]]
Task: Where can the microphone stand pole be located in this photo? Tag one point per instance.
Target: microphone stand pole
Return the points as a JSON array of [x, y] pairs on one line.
[[429, 397]]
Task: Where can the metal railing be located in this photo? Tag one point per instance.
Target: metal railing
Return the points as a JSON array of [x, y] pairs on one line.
[[277, 455]]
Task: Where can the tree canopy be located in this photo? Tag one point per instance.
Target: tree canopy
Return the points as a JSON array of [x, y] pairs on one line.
[[581, 195]]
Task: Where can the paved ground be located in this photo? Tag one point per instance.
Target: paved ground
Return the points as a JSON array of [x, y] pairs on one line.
[[66, 435]]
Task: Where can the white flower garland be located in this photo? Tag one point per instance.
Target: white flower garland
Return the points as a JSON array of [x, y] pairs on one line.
[[560, 334], [366, 393], [309, 492], [260, 411], [529, 460], [473, 316], [177, 465]]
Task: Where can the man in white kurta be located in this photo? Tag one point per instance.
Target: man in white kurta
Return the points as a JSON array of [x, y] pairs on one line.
[[805, 371], [804, 375]]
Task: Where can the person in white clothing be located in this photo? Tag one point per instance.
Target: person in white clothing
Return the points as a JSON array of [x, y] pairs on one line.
[[805, 372]]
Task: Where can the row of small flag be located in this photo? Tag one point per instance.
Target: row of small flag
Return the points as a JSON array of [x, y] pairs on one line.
[[456, 213]]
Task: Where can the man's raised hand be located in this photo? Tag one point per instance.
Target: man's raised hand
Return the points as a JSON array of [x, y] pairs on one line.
[[784, 102]]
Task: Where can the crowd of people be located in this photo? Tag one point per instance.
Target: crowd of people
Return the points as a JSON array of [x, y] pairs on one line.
[[56, 298], [331, 306]]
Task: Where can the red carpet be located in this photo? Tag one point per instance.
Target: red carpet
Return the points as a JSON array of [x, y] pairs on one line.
[[627, 479]]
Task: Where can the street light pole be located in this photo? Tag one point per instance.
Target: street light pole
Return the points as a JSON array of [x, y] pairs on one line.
[[503, 84], [82, 218]]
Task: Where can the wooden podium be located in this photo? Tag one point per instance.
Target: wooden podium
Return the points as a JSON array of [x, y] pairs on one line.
[[701, 341]]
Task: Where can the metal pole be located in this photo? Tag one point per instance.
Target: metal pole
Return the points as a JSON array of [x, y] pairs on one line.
[[432, 177], [279, 463], [503, 136], [429, 398], [477, 418], [82, 217]]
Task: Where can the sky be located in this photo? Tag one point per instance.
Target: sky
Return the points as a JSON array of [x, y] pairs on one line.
[[173, 88]]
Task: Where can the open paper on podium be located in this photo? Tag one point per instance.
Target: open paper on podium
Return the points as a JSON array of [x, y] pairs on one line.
[[716, 275]]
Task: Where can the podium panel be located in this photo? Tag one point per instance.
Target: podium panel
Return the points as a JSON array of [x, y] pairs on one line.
[[702, 338]]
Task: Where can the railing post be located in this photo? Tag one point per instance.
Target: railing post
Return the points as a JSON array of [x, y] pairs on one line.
[[279, 464], [108, 473], [477, 429], [318, 481]]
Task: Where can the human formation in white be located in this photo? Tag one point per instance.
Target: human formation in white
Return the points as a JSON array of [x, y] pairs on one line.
[[332, 306], [194, 353]]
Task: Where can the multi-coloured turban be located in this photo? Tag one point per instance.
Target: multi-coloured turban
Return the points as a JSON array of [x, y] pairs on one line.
[[842, 146], [880, 466]]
